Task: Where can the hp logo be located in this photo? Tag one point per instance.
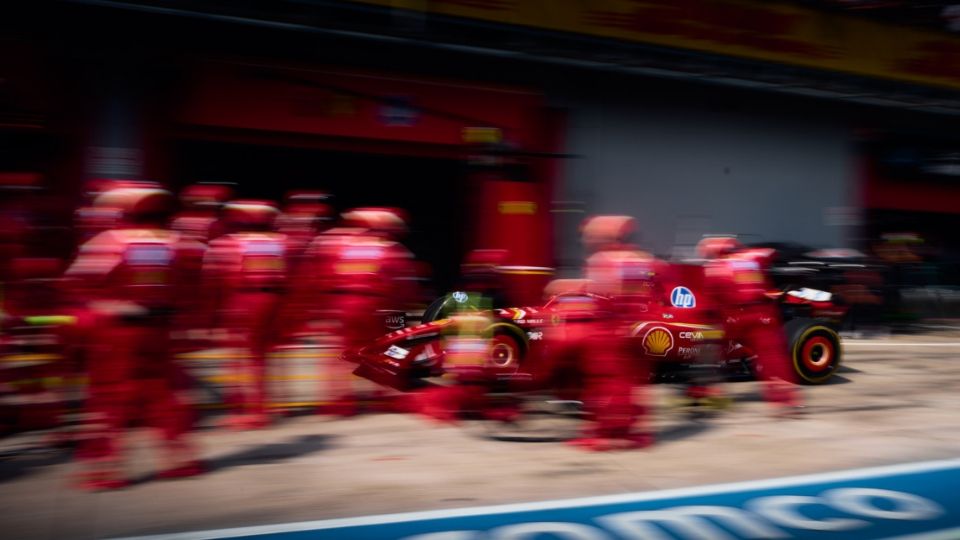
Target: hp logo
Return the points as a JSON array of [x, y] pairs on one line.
[[683, 297]]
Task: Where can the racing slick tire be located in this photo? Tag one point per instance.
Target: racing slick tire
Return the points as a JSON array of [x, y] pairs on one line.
[[814, 349], [508, 347]]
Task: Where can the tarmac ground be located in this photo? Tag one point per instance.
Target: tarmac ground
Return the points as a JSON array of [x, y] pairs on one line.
[[895, 400]]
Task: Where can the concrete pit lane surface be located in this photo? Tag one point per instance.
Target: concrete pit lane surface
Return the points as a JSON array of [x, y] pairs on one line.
[[894, 402]]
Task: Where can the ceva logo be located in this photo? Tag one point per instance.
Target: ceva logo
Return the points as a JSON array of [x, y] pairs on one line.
[[683, 297]]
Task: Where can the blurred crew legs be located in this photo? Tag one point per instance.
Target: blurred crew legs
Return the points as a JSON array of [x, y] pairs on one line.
[[737, 282], [627, 278], [358, 273], [128, 278], [247, 271]]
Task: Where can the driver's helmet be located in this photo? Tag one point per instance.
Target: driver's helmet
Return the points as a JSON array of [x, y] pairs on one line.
[[466, 301], [714, 247]]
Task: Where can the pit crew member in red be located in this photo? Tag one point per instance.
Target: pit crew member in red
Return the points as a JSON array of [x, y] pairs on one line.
[[365, 271], [248, 270], [626, 275], [737, 281], [129, 277], [199, 216]]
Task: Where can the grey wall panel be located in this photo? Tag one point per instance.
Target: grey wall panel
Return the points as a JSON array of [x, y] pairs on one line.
[[684, 169]]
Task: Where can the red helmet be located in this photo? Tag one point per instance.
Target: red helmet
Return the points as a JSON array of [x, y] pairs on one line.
[[205, 195], [136, 202], [390, 221], [714, 247], [602, 230], [98, 186], [249, 212]]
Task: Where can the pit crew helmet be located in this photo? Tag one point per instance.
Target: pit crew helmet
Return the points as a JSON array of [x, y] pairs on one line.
[[250, 214], [599, 231], [713, 247], [137, 203], [390, 222]]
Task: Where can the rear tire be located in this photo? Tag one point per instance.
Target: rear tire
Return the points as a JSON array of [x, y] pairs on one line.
[[814, 349]]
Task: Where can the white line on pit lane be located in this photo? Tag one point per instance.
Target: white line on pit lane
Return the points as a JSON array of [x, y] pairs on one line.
[[702, 491], [895, 343]]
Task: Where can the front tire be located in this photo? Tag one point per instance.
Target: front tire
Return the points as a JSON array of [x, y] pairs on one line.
[[507, 348]]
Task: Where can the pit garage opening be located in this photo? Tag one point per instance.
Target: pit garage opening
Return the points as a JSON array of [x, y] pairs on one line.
[[434, 191]]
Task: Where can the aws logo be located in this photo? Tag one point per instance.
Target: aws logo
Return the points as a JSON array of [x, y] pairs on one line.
[[658, 341]]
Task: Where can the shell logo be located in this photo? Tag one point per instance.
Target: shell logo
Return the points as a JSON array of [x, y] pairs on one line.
[[657, 341]]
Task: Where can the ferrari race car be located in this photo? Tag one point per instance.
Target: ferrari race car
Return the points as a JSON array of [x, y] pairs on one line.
[[674, 336]]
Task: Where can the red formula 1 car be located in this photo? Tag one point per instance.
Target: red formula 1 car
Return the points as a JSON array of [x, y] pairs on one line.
[[673, 336]]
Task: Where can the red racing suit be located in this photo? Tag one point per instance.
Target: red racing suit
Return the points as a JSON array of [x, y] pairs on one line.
[[131, 279], [629, 277], [248, 271], [199, 302], [738, 284], [199, 226], [357, 276]]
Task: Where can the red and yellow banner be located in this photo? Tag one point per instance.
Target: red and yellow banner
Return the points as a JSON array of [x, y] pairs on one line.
[[756, 30]]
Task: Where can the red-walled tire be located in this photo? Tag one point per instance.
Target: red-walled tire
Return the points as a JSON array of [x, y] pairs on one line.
[[815, 351], [508, 348]]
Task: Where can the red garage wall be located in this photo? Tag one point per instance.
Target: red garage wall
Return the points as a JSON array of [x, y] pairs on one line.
[[356, 105], [382, 113], [907, 191]]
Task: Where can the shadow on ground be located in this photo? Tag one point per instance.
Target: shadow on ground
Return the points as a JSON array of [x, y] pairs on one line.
[[271, 452], [263, 454], [20, 463]]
